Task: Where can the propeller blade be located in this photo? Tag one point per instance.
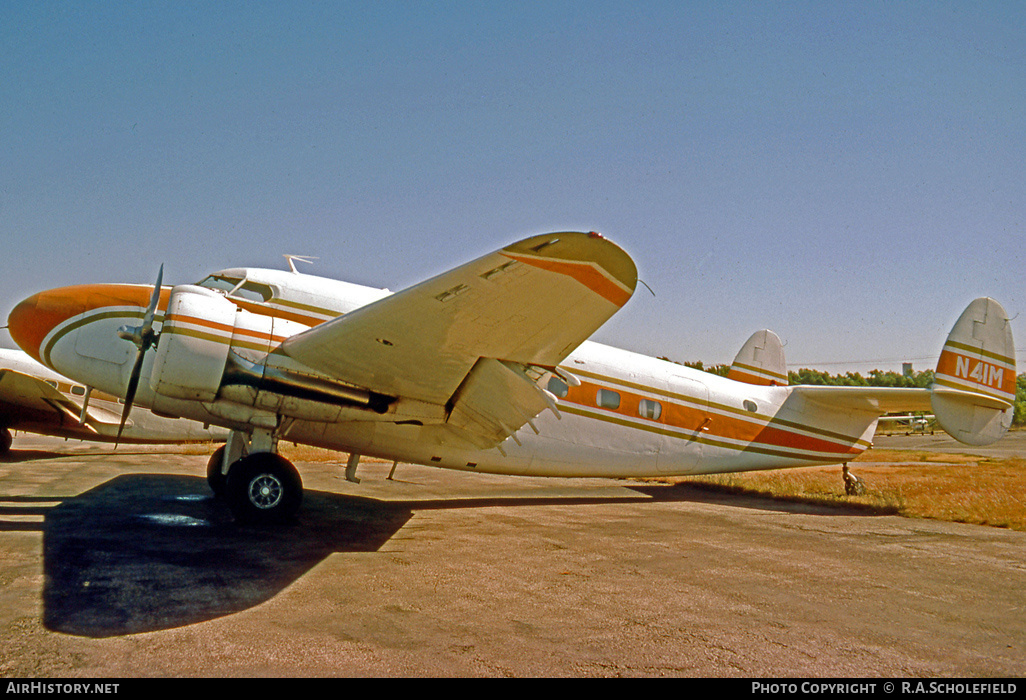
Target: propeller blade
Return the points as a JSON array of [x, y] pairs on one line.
[[133, 386], [151, 310], [144, 338]]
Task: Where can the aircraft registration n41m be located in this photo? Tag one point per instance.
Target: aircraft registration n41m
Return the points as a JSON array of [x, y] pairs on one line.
[[486, 368]]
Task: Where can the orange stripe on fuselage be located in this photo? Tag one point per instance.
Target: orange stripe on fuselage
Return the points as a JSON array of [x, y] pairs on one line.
[[714, 425], [585, 273]]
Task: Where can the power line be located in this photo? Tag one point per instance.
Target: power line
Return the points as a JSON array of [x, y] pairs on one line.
[[932, 358]]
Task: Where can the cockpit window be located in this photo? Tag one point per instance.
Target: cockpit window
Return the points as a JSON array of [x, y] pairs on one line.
[[236, 287]]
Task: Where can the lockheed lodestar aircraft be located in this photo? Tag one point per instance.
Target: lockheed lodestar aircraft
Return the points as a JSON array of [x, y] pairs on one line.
[[35, 399], [485, 368]]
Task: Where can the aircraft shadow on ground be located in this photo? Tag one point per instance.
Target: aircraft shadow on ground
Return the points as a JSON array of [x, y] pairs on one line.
[[148, 552]]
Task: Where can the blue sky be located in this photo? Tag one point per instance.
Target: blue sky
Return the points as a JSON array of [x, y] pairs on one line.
[[849, 175]]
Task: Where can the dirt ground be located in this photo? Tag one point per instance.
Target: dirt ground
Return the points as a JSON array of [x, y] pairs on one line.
[[121, 564]]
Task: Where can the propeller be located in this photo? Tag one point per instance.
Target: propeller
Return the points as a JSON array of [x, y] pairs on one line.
[[143, 337]]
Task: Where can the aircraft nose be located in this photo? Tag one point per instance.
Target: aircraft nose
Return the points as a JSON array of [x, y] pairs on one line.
[[32, 319]]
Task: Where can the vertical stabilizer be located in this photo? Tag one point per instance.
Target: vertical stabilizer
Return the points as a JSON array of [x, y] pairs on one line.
[[760, 361], [975, 382]]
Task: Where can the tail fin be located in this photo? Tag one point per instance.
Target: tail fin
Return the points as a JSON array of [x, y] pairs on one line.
[[760, 361], [974, 388]]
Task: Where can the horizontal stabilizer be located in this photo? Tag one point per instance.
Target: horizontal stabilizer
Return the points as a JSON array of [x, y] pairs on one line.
[[867, 399]]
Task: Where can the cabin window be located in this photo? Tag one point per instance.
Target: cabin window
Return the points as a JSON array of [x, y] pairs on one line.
[[606, 398], [558, 387], [650, 409], [78, 390], [750, 406]]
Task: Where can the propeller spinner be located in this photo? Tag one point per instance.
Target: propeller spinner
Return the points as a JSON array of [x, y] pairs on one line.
[[144, 338]]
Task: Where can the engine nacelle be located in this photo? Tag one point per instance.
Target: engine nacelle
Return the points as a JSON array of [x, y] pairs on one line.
[[194, 342]]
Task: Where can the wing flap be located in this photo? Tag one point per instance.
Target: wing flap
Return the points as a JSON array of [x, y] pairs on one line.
[[495, 400]]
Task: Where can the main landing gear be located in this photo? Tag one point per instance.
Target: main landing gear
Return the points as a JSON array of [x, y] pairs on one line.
[[260, 486]]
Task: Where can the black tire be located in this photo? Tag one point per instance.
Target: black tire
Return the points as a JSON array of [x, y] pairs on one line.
[[264, 489], [215, 478], [5, 441]]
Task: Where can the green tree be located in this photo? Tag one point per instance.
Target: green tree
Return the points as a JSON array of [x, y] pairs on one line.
[[1019, 417]]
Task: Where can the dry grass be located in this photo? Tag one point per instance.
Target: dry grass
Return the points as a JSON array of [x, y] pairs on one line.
[[955, 488]]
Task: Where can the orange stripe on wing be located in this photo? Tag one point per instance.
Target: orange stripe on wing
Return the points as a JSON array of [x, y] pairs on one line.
[[586, 273]]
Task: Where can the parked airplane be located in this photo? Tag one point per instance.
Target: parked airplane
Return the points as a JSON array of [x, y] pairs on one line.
[[484, 368], [35, 399], [909, 422]]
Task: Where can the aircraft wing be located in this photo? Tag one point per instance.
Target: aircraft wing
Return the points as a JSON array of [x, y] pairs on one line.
[[31, 395], [470, 337]]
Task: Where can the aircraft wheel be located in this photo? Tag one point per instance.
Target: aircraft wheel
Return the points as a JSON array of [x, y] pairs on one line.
[[263, 488], [215, 478], [5, 441]]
